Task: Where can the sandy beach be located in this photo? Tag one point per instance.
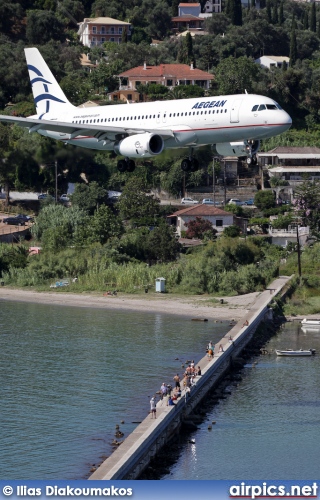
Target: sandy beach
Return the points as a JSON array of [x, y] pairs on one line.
[[200, 307]]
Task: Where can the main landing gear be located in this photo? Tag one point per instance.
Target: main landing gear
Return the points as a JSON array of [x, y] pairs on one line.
[[126, 165], [252, 160], [190, 164]]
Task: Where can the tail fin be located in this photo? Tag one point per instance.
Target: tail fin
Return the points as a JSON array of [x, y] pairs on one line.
[[47, 94]]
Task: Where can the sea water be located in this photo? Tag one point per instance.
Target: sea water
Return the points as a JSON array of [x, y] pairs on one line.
[[69, 375], [268, 426]]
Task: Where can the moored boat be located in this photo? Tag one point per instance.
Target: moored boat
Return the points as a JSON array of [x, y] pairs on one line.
[[311, 322], [299, 352]]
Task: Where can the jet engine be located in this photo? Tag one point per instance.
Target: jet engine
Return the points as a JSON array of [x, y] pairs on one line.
[[244, 148], [140, 145]]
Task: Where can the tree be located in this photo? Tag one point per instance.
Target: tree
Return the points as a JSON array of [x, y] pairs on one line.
[[269, 15], [264, 200], [199, 228], [136, 202], [158, 20], [88, 197], [162, 244], [232, 231], [293, 44], [104, 224], [7, 170], [275, 17], [234, 76], [43, 26], [305, 20], [307, 205], [281, 15], [56, 225], [236, 16]]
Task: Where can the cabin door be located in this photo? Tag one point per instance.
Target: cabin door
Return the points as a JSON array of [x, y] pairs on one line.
[[234, 115]]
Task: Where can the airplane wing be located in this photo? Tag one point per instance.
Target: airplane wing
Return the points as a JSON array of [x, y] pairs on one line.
[[72, 130]]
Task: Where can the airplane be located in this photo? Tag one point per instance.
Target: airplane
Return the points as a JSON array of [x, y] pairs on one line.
[[233, 124]]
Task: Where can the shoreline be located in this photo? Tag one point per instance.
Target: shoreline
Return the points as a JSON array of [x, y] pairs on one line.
[[198, 307]]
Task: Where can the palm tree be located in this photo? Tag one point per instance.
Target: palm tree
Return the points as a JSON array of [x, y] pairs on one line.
[[176, 93]]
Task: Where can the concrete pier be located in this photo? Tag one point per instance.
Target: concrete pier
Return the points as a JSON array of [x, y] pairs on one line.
[[135, 453]]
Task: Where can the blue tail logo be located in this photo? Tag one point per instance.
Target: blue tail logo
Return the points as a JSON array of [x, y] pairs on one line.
[[46, 96]]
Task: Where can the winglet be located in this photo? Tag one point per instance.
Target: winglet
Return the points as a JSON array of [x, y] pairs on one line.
[[47, 93]]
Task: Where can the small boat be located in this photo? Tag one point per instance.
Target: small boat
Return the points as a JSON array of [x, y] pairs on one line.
[[310, 322], [300, 352]]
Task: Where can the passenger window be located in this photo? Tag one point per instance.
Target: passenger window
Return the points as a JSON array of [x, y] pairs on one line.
[[197, 112], [201, 113], [255, 107], [194, 113], [174, 114], [225, 110], [112, 119], [262, 107], [213, 111]]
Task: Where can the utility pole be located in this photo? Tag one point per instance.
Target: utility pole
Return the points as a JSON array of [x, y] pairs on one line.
[[213, 183], [224, 182], [56, 178], [299, 252]]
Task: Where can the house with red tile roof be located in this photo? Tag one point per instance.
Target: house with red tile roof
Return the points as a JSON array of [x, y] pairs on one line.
[[187, 22], [189, 8], [169, 75], [218, 217]]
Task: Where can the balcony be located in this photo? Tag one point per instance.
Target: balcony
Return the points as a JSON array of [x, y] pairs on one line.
[[116, 31]]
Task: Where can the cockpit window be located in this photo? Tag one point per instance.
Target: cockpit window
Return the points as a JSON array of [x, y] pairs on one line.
[[262, 106], [271, 106], [278, 105], [255, 107]]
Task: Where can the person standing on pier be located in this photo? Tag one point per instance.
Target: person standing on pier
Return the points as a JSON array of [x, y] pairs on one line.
[[176, 379], [153, 408]]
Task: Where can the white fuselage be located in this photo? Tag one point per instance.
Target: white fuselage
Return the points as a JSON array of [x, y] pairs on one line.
[[196, 122]]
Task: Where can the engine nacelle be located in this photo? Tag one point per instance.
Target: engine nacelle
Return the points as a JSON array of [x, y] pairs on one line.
[[140, 145], [244, 148]]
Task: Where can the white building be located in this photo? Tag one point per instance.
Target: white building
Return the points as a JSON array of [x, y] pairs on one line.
[[218, 218], [272, 61], [96, 31]]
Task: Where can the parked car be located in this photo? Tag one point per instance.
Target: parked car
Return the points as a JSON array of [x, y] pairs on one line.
[[189, 200], [235, 201], [64, 197], [14, 221], [26, 218], [45, 196], [249, 202], [209, 201]]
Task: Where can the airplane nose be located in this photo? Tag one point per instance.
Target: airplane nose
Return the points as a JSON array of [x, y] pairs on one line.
[[287, 121]]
